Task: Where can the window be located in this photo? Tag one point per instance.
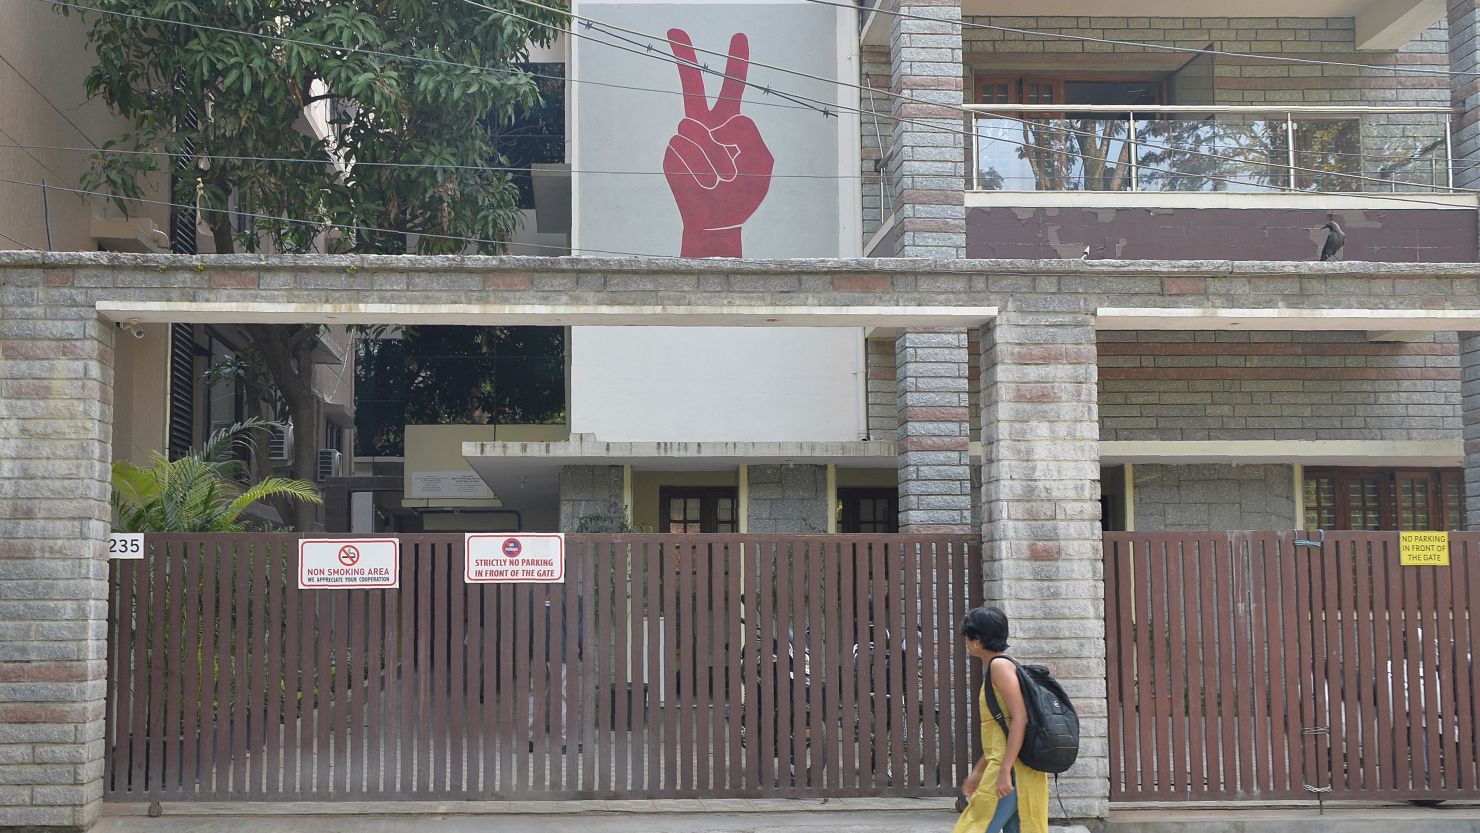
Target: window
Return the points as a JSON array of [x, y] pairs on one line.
[[1128, 91], [698, 509], [868, 510], [1382, 499]]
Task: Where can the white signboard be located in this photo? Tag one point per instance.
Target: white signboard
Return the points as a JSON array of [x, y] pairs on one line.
[[527, 558], [348, 563], [128, 545], [464, 484]]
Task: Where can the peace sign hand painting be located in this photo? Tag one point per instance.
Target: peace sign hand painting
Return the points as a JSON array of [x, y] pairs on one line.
[[717, 165]]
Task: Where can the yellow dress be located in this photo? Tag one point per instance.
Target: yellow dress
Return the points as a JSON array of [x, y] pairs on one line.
[[1032, 785]]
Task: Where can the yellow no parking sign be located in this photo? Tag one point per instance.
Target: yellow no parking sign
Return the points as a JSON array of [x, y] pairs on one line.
[[1424, 549]]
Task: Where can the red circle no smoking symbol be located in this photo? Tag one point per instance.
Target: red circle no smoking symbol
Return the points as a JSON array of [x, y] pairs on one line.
[[349, 555], [512, 548]]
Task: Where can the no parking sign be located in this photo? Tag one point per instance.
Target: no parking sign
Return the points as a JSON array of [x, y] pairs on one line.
[[504, 558]]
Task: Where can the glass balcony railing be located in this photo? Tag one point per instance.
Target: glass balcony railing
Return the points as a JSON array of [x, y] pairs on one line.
[[1204, 149]]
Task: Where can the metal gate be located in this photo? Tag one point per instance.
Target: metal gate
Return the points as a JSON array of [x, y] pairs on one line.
[[665, 666], [1254, 666]]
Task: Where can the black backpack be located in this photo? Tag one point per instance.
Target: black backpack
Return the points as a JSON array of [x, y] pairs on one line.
[[1051, 742]]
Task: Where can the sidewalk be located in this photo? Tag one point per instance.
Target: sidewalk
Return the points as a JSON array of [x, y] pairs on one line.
[[696, 816]]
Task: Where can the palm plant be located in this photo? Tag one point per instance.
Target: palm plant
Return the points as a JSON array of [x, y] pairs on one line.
[[201, 492]]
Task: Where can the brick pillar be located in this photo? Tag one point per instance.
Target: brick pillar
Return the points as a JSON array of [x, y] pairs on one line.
[[56, 415], [1469, 357], [934, 431], [1464, 91], [927, 154], [1040, 504]]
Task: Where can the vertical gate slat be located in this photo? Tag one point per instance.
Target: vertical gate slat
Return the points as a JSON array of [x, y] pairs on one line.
[[839, 727], [1116, 586], [1147, 765], [931, 646], [377, 681], [715, 646], [523, 687], [593, 668], [1388, 600], [734, 563], [539, 663], [1471, 646], [862, 561], [879, 608], [488, 704], [1427, 667], [441, 743], [1242, 646], [1463, 762], [405, 706], [333, 630], [1446, 671], [1275, 624], [1330, 673], [622, 616], [947, 687], [650, 749], [191, 668], [425, 626], [701, 647], [277, 683], [1413, 687], [1365, 669], [1223, 570], [459, 721], [567, 700], [789, 653], [807, 657], [139, 580], [678, 631], [158, 668], [234, 709], [762, 726], [897, 665], [511, 734], [252, 701], [1177, 619], [169, 669], [912, 684], [1271, 764], [1348, 564], [1159, 629], [853, 634], [222, 560]]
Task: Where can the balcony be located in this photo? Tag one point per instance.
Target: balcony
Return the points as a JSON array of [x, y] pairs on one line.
[[1179, 182], [1208, 149]]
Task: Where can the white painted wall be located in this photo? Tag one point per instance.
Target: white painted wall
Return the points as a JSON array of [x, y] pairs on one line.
[[672, 384]]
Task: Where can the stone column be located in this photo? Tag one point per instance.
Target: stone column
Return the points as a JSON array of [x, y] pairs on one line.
[[56, 426], [787, 499], [927, 152], [1469, 357], [1464, 90], [934, 437], [595, 493], [1041, 511]]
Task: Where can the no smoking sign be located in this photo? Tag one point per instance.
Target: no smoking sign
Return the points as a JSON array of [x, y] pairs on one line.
[[338, 563]]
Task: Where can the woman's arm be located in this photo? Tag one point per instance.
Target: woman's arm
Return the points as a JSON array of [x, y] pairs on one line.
[[1005, 678]]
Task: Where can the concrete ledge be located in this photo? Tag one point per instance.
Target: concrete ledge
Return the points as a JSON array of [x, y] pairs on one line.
[[1460, 818]]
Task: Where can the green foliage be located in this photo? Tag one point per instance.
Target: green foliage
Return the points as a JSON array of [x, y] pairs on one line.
[[613, 520], [201, 492], [215, 94]]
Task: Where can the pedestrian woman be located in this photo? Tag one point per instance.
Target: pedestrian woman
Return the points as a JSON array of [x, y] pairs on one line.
[[1004, 794]]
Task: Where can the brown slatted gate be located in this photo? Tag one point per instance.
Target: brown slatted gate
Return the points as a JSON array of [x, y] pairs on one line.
[[1245, 667], [665, 666]]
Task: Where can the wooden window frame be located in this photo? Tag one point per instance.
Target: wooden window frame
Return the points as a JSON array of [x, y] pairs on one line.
[[1440, 482], [1017, 82], [709, 497], [849, 497]]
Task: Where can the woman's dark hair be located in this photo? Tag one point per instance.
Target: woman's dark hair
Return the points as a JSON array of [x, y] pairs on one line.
[[987, 625]]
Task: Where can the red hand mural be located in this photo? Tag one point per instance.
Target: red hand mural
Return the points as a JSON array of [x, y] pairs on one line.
[[717, 165]]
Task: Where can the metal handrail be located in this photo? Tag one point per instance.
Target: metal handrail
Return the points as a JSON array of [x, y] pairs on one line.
[[1303, 109]]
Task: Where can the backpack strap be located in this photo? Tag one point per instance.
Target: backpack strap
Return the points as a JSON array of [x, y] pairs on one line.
[[992, 705]]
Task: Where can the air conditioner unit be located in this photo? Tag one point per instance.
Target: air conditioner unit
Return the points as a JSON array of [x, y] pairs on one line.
[[280, 442], [329, 463]]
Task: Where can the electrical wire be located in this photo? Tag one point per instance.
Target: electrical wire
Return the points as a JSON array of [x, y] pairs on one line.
[[648, 50], [1159, 46], [19, 243], [325, 224]]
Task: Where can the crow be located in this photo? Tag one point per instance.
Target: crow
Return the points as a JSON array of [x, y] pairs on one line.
[[1334, 241]]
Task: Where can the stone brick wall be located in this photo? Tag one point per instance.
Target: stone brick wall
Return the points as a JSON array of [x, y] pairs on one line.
[[1203, 497], [883, 413], [927, 161], [587, 491], [934, 431], [1463, 20], [787, 499], [1277, 386]]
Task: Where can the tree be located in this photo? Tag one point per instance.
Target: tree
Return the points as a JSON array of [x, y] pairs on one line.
[[227, 108], [200, 492]]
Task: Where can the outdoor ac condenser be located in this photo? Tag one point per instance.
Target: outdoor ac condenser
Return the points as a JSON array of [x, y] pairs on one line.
[[329, 462], [280, 443]]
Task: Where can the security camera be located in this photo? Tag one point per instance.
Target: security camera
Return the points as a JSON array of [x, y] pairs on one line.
[[132, 327]]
